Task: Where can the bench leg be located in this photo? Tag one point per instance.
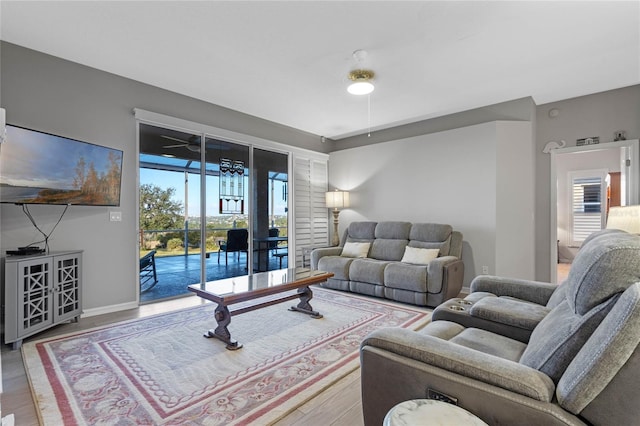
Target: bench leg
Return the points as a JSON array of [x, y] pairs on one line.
[[221, 332]]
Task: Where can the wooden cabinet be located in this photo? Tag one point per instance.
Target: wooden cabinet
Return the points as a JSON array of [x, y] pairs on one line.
[[40, 291]]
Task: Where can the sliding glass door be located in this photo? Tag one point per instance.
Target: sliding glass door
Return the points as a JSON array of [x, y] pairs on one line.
[[209, 208], [269, 212]]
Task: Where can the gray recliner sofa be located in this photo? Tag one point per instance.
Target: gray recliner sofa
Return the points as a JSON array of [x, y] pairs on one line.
[[382, 271], [508, 306], [581, 365]]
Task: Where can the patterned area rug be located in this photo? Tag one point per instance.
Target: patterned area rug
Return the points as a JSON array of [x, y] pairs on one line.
[[160, 370]]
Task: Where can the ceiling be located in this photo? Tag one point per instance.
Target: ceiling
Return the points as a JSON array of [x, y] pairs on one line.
[[288, 61]]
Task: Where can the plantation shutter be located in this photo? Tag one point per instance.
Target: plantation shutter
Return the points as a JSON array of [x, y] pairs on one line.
[[588, 204], [311, 214]]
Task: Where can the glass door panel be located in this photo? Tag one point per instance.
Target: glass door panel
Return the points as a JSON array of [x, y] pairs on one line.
[[226, 209], [169, 208], [269, 210]]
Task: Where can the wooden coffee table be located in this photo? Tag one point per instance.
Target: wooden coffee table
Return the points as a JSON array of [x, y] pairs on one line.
[[258, 287]]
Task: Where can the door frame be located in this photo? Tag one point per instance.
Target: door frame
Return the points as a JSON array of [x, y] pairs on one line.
[[632, 181]]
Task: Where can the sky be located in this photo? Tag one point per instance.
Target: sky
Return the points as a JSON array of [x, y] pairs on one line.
[[165, 179], [31, 158]]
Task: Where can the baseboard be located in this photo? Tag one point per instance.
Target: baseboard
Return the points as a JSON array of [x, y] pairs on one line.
[[108, 309]]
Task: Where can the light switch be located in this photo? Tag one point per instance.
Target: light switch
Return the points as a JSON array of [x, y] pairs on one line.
[[115, 216]]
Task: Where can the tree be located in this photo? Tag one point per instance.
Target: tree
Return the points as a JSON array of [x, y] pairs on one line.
[[78, 180], [157, 209]]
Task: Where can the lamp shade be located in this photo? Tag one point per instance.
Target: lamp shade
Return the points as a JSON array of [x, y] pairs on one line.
[[626, 218], [337, 199]]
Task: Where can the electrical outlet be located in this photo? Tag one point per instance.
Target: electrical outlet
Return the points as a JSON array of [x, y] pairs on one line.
[[115, 216], [485, 270]]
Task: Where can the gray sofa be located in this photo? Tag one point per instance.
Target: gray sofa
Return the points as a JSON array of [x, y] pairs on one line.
[[508, 306], [383, 273], [581, 365]]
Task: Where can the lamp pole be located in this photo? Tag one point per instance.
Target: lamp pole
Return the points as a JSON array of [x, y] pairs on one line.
[[335, 241]]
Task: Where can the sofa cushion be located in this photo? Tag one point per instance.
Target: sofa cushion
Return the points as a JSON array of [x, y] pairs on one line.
[[390, 250], [337, 265], [560, 336], [509, 311], [558, 296], [390, 240], [406, 276], [480, 340], [490, 343], [361, 231], [419, 256], [431, 235], [367, 271], [352, 249], [393, 230], [601, 270]]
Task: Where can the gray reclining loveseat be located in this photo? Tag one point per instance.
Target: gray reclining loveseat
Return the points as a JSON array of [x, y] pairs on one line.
[[507, 306], [580, 366], [395, 262]]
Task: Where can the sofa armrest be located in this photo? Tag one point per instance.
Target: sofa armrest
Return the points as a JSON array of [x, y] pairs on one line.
[[464, 361], [318, 253], [531, 291], [445, 274]]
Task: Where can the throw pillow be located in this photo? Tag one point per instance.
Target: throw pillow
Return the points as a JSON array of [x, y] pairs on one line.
[[355, 249], [420, 256]]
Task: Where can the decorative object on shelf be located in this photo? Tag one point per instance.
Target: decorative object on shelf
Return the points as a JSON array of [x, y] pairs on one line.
[[593, 140], [553, 145], [336, 200], [231, 186], [619, 135], [626, 218]]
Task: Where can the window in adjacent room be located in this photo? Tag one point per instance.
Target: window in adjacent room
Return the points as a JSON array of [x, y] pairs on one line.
[[588, 203]]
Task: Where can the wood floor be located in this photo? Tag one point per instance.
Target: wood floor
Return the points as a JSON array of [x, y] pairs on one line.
[[337, 406]]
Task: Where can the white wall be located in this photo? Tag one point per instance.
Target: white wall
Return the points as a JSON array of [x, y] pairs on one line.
[[515, 224], [455, 177]]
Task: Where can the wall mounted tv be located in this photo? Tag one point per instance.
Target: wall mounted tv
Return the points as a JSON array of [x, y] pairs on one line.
[[40, 168]]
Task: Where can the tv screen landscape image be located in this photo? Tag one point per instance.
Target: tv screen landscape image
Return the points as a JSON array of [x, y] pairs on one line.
[[40, 168]]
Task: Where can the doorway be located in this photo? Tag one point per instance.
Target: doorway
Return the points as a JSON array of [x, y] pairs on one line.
[[616, 165]]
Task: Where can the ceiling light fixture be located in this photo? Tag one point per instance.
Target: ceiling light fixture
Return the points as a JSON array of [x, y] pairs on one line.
[[361, 84]]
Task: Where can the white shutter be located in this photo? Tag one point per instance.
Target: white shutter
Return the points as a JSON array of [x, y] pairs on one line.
[[588, 204], [311, 214]]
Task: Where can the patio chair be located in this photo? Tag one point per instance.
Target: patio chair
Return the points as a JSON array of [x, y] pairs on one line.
[[148, 276], [237, 241], [273, 245]]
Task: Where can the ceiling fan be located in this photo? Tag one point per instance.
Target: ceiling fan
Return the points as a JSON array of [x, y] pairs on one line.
[[191, 144]]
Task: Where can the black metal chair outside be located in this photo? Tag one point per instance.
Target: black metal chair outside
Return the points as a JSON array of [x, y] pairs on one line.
[[237, 242], [273, 245], [148, 276]]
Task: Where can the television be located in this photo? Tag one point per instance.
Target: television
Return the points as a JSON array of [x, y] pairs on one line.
[[41, 168]]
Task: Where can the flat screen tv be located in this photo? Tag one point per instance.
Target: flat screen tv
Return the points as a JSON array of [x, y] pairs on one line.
[[40, 168]]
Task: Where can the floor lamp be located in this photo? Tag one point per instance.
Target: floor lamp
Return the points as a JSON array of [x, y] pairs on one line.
[[336, 200]]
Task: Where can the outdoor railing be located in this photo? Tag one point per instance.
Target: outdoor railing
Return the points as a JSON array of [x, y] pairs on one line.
[[171, 242]]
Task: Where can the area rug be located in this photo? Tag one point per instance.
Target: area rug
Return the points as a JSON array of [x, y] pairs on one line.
[[160, 370]]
